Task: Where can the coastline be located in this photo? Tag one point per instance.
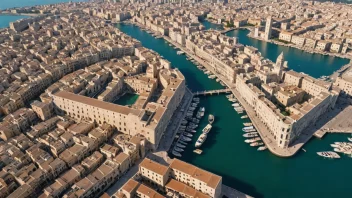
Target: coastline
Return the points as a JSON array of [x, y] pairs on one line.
[[312, 51], [19, 14]]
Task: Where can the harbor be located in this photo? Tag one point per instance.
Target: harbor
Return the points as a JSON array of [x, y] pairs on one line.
[[225, 152]]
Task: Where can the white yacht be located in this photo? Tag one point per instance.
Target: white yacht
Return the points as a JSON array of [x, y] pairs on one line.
[[207, 129], [256, 144], [211, 118], [201, 140], [252, 140], [262, 148], [253, 134], [201, 111], [329, 154]]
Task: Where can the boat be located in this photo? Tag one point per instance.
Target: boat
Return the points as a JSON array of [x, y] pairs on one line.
[[349, 139], [180, 52], [247, 124], [186, 139], [236, 105], [175, 153], [252, 140], [187, 134], [253, 134], [195, 120], [211, 118], [244, 117], [201, 111], [182, 142], [192, 108], [191, 130], [262, 148], [196, 99], [178, 149], [184, 122], [256, 144], [207, 129], [201, 140], [329, 154], [249, 130], [180, 145]]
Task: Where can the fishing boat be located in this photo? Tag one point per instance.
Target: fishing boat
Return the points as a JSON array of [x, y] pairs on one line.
[[201, 140], [329, 154], [178, 149], [175, 153], [180, 145], [187, 134], [244, 117], [211, 118], [262, 148], [253, 134], [256, 144], [207, 129], [252, 140], [186, 139]]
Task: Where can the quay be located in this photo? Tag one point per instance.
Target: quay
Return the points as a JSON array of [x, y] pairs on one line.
[[211, 92], [261, 128], [232, 193]]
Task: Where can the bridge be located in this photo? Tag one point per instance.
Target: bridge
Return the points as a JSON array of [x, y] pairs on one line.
[[211, 92]]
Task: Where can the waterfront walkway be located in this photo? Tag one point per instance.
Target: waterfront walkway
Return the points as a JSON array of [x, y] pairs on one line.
[[211, 92]]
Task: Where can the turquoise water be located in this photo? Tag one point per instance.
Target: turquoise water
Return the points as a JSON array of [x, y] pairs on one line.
[[259, 174], [200, 82], [127, 99], [4, 4], [23, 3], [315, 65], [6, 19]]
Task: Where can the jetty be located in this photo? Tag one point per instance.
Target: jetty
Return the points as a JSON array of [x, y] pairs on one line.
[[211, 92]]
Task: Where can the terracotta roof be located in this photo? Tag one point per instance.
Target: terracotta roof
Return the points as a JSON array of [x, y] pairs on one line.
[[184, 189], [130, 186], [209, 178], [148, 192], [154, 166]]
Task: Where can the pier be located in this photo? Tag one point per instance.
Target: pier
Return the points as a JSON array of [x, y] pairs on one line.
[[211, 92]]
